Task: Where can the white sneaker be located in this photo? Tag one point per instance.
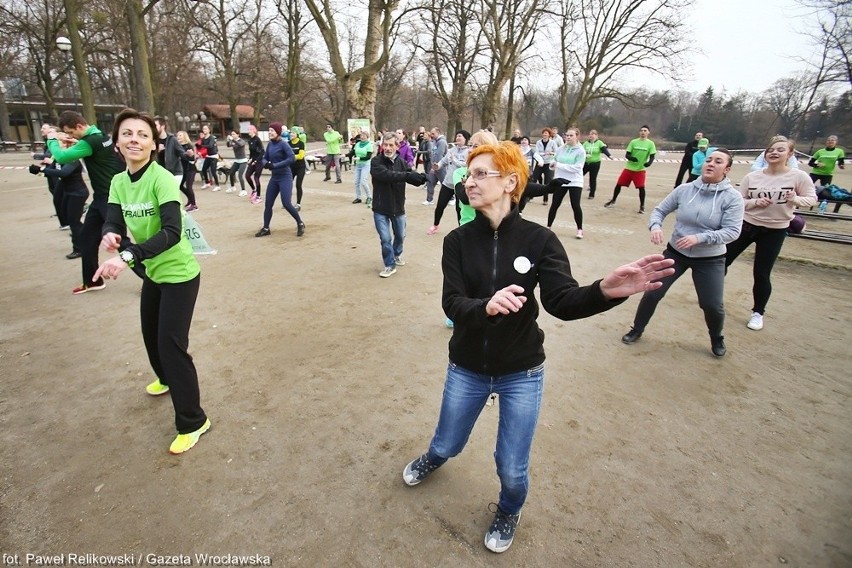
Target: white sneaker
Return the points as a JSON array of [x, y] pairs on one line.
[[427, 202], [388, 272], [398, 261], [579, 233], [217, 188], [243, 193], [231, 189], [756, 321], [206, 186], [452, 202]]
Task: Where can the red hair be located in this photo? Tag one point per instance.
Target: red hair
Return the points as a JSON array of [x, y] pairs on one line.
[[507, 160]]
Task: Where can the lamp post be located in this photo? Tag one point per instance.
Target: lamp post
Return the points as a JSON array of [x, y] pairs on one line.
[[822, 115], [64, 45]]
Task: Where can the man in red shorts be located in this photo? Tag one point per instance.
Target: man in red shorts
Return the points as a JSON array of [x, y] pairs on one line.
[[640, 155]]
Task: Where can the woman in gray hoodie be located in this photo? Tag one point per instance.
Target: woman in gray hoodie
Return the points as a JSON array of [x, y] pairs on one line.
[[709, 214]]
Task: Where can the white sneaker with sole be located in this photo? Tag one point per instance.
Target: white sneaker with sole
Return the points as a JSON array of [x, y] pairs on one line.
[[756, 321], [388, 272]]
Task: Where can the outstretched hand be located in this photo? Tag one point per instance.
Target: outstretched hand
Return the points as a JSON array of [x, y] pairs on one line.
[[640, 275]]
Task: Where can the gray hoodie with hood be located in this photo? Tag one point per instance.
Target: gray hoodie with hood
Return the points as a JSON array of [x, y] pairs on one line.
[[712, 211]]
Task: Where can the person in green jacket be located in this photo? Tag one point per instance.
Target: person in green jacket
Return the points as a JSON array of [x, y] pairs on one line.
[[333, 138], [363, 150], [102, 164], [825, 160], [145, 200]]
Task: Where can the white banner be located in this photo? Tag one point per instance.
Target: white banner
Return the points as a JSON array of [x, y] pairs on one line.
[[192, 230]]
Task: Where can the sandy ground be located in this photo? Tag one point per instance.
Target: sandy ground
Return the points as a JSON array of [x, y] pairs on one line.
[[322, 380]]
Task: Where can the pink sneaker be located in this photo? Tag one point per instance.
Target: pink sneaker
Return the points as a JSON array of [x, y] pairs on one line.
[[255, 200], [579, 233], [432, 230]]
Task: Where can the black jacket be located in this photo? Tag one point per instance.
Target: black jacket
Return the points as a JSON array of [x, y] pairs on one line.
[[255, 147], [389, 179], [478, 261]]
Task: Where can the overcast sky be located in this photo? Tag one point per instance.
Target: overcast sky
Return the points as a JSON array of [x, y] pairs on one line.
[[747, 44]]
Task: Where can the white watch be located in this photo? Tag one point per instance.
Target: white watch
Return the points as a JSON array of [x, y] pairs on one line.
[[126, 256]]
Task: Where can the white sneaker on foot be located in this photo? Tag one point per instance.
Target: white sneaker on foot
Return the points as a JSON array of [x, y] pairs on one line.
[[756, 321], [388, 272], [427, 202], [243, 193], [579, 233], [230, 190]]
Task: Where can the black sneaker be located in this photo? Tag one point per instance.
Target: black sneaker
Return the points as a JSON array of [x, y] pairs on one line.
[[356, 200], [610, 203], [641, 210], [300, 229], [264, 232], [717, 344], [339, 181], [631, 336], [72, 255], [418, 470], [502, 531]]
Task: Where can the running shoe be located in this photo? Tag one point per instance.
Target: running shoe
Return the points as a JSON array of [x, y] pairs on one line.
[[501, 533], [185, 442], [418, 470], [83, 288], [157, 388]]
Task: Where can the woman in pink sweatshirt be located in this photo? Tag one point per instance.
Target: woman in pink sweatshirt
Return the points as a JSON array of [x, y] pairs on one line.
[[771, 196]]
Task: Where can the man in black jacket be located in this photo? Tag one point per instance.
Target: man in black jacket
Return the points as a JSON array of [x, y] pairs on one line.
[[686, 162], [390, 174], [169, 150]]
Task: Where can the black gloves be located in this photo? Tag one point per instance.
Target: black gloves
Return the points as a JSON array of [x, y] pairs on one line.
[[268, 165], [415, 178], [34, 169], [632, 158], [648, 165]]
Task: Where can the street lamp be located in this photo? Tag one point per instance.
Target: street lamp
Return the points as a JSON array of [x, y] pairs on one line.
[[822, 115], [64, 45]]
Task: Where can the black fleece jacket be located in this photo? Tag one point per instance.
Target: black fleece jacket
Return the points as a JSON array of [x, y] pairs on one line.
[[478, 261]]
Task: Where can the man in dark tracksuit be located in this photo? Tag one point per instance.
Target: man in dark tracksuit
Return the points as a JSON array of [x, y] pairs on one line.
[[102, 162]]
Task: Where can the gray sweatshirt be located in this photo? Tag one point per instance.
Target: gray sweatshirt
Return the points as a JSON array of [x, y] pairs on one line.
[[712, 211]]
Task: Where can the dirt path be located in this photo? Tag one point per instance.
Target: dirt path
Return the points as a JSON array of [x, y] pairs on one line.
[[322, 380]]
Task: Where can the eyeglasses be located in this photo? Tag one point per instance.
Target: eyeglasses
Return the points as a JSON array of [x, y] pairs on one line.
[[479, 175]]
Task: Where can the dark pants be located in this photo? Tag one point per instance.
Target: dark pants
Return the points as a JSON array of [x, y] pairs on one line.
[[691, 177], [57, 194], [253, 172], [617, 191], [72, 210], [166, 314], [283, 186], [558, 195], [90, 239], [299, 177], [592, 169], [685, 168], [237, 171], [821, 179], [444, 197], [187, 182], [708, 276], [208, 171], [768, 243]]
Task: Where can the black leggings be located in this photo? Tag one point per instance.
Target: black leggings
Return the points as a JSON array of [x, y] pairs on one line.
[[559, 194], [444, 197], [299, 177], [543, 175], [768, 243], [208, 171], [253, 176], [237, 171], [187, 182], [166, 315], [592, 169], [617, 190]]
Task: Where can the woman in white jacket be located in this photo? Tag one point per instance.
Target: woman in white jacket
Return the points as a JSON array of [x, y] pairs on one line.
[[568, 178]]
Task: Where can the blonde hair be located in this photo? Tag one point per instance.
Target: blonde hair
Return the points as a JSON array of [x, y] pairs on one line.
[[779, 138], [182, 137], [483, 137], [507, 160]]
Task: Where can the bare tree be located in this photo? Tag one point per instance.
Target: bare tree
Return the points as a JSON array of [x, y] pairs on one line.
[[450, 45], [617, 36], [509, 26], [358, 84], [789, 102]]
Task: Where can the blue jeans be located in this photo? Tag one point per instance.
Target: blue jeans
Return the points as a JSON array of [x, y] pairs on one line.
[[391, 250], [362, 179], [465, 394]]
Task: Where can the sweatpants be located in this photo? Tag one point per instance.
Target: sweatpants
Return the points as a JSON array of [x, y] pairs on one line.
[[166, 315]]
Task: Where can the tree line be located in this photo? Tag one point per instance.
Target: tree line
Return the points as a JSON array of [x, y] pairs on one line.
[[502, 64]]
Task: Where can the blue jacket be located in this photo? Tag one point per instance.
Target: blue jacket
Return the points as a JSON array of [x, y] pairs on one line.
[[280, 155]]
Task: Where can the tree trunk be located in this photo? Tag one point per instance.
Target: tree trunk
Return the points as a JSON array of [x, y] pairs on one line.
[[144, 93], [83, 83]]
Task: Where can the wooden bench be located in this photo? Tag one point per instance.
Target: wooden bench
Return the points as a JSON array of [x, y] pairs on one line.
[[10, 145], [320, 158]]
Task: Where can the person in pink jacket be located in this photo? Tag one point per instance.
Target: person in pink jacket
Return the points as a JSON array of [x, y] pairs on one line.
[[771, 196]]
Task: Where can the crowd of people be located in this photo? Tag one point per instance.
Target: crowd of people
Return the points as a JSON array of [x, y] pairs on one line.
[[491, 263]]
